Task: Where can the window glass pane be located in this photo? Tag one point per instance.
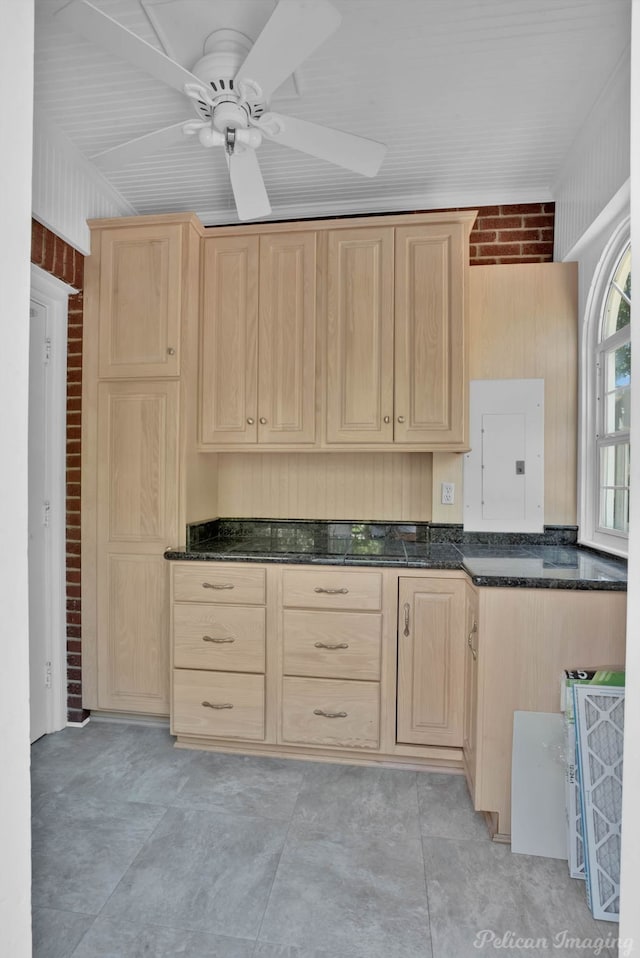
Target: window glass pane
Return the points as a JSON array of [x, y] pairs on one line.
[[617, 309], [614, 487], [617, 391]]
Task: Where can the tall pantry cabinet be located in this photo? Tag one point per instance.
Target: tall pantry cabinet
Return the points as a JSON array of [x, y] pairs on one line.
[[140, 329]]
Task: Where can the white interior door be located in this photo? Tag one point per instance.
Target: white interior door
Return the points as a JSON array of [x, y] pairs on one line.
[[47, 465], [39, 512]]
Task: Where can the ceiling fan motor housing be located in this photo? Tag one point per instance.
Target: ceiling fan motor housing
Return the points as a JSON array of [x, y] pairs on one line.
[[224, 53]]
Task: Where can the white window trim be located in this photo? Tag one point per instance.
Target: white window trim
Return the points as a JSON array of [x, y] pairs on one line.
[[589, 534]]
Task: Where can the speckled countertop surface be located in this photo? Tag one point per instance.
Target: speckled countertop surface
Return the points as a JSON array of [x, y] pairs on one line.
[[550, 560]]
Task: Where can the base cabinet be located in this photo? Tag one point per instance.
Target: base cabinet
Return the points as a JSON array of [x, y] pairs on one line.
[[303, 660], [471, 652], [430, 661]]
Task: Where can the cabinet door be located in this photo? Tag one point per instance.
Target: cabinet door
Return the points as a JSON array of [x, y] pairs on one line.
[[140, 301], [360, 336], [430, 661], [287, 338], [137, 495], [470, 688], [430, 350], [229, 341]]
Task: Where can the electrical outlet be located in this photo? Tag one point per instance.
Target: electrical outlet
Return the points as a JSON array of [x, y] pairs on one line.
[[448, 494]]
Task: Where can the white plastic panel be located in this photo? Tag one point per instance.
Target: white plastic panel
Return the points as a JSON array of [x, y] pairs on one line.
[[504, 472]]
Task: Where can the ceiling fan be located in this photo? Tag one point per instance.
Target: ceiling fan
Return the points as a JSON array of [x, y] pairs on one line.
[[230, 87]]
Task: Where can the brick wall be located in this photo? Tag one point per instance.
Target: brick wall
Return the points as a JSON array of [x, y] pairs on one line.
[[519, 233], [63, 261]]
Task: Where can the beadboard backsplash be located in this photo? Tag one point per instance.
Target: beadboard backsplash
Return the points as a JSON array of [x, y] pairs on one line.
[[389, 486]]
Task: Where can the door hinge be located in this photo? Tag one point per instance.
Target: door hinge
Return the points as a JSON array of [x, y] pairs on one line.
[[47, 350], [46, 513], [47, 675]]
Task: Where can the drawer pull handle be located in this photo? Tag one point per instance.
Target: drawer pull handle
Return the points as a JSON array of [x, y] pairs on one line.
[[217, 705], [319, 588], [329, 714], [217, 585], [407, 609], [327, 645], [217, 639], [474, 653]]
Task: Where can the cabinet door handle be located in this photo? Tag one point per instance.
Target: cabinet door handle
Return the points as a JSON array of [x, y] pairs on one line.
[[319, 588], [327, 645], [171, 351], [407, 610], [387, 419], [400, 418], [263, 421], [474, 653], [217, 705], [219, 640], [329, 714], [218, 585]]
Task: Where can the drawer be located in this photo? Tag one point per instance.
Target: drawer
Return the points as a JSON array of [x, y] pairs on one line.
[[337, 645], [212, 582], [228, 638], [332, 589], [223, 704], [351, 719]]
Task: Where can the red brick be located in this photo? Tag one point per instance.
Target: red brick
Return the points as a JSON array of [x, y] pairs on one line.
[[74, 460], [73, 577], [73, 548], [74, 618], [47, 257], [483, 236], [74, 647], [499, 223], [73, 674], [518, 236], [73, 591], [74, 418], [37, 242], [539, 249], [74, 701], [74, 360], [73, 475], [520, 259], [512, 208], [539, 221], [500, 249], [548, 208], [73, 605], [73, 632], [74, 376], [74, 661], [73, 490], [546, 236], [59, 255], [74, 399]]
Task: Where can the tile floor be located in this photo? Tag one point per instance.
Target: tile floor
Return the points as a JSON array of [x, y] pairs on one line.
[[140, 849]]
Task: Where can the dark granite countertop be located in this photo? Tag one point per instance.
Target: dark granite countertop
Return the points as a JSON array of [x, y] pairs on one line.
[[549, 560]]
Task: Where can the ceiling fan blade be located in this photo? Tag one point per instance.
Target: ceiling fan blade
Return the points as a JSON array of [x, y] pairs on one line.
[[142, 146], [92, 24], [344, 149], [295, 29], [247, 184]]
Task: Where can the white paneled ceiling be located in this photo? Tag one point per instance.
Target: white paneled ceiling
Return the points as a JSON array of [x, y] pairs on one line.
[[477, 100]]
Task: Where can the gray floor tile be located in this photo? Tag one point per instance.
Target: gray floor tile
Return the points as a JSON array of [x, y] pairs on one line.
[[343, 892], [349, 796], [56, 933], [480, 893], [110, 938], [204, 871], [446, 810], [241, 784], [57, 759], [83, 847], [139, 765], [266, 950]]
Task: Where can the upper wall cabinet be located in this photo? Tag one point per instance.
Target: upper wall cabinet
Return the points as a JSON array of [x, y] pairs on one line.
[[258, 339], [396, 347], [141, 291]]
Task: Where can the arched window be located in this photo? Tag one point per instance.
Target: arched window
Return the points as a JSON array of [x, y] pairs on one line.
[[606, 447]]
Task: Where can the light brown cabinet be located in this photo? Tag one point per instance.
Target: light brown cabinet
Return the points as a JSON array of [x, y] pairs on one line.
[[430, 661], [218, 664], [471, 652], [140, 300], [258, 340], [396, 334], [136, 516], [140, 311]]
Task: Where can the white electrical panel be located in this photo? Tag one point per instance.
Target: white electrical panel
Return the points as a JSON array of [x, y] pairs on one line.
[[504, 472]]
